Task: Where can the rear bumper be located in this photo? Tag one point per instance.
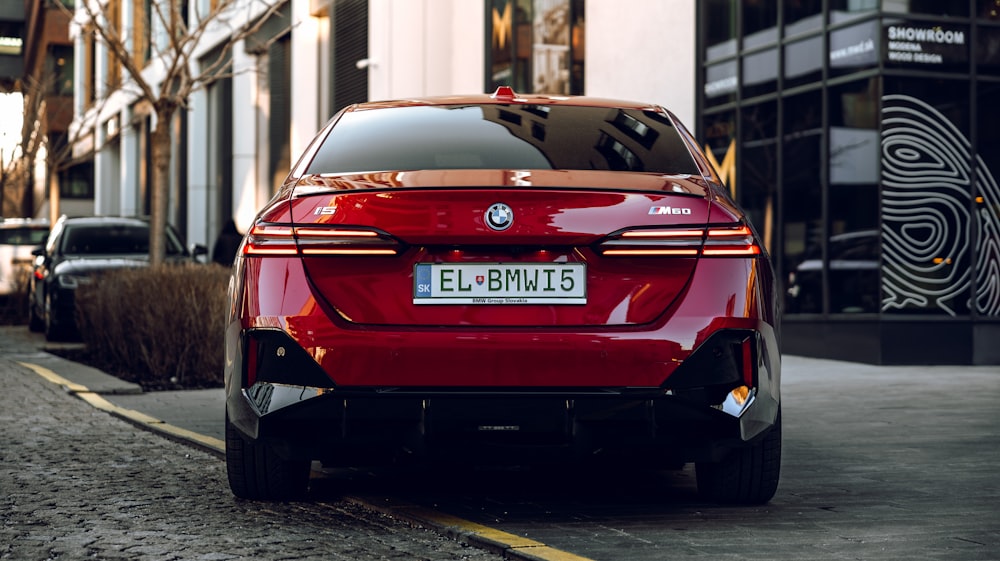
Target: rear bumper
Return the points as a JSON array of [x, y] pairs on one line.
[[313, 386], [697, 418]]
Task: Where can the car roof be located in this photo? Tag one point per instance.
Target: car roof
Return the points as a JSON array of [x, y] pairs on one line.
[[132, 220], [505, 96]]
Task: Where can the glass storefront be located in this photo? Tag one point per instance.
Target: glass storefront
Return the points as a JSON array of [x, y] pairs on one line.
[[855, 133], [535, 46]]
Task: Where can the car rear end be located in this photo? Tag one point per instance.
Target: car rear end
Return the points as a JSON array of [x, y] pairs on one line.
[[506, 280]]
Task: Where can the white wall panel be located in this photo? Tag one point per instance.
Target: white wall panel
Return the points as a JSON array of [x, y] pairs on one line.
[[643, 50]]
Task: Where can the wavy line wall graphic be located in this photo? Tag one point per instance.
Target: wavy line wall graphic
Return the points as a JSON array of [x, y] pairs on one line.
[[928, 223]]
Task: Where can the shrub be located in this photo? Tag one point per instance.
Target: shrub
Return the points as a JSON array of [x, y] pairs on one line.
[[14, 306], [161, 327]]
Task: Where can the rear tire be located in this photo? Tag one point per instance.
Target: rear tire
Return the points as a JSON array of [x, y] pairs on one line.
[[35, 322], [747, 475], [257, 473], [53, 331]]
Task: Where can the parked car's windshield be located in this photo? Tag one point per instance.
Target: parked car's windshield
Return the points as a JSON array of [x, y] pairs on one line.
[[23, 236], [503, 137], [111, 239]]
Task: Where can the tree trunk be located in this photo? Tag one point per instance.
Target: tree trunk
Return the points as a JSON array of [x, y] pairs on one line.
[[160, 187]]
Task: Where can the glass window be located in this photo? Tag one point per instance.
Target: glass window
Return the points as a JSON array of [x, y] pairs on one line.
[[720, 28], [11, 40], [854, 48], [59, 66], [760, 23], [509, 29], [77, 182], [802, 16], [803, 62], [757, 175], [760, 73], [89, 66], [987, 202], [802, 203], [721, 83], [988, 50], [926, 196], [988, 9], [847, 10], [500, 27], [577, 48], [931, 7], [550, 47], [503, 137], [853, 199], [720, 145], [536, 45]]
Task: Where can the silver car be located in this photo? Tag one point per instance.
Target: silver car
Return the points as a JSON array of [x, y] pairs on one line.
[[18, 236]]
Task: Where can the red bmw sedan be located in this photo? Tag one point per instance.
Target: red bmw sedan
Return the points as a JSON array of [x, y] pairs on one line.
[[500, 278]]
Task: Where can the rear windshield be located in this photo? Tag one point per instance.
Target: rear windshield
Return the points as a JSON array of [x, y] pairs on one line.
[[503, 137], [23, 236]]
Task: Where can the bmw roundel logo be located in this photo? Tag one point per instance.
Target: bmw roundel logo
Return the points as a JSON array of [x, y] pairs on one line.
[[499, 217]]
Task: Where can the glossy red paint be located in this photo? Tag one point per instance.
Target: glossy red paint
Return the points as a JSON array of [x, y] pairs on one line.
[[722, 294]]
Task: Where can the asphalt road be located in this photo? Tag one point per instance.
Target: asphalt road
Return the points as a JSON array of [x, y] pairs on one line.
[[879, 463]]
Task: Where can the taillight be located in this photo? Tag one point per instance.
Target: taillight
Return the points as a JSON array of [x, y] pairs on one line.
[[277, 240], [270, 240], [735, 240]]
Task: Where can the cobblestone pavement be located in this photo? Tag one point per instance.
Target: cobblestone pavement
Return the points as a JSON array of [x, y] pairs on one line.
[[76, 483]]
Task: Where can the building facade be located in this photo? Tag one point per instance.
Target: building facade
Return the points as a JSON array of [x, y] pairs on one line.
[[11, 45], [48, 84], [860, 135]]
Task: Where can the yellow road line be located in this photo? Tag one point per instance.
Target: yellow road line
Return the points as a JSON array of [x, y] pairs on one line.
[[511, 545], [525, 547], [521, 547]]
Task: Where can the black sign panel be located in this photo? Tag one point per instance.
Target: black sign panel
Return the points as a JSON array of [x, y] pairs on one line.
[[926, 46]]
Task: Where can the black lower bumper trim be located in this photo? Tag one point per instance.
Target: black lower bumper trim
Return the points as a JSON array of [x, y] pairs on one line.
[[354, 430]]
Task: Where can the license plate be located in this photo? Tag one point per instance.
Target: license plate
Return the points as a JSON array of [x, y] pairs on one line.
[[500, 283]]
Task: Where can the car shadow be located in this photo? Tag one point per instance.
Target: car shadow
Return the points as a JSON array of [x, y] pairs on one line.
[[489, 495]]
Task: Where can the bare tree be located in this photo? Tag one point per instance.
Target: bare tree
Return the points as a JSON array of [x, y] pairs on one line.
[[172, 41]]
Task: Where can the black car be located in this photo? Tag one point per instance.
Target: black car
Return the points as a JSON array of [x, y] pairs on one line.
[[78, 249]]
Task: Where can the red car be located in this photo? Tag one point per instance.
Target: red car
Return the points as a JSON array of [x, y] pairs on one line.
[[503, 278]]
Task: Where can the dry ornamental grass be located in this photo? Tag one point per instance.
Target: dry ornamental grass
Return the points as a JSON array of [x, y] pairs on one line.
[[161, 327]]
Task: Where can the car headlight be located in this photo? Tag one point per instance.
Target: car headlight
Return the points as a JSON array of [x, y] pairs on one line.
[[72, 281]]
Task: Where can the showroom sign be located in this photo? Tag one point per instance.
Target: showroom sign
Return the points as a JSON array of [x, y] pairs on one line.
[[922, 45]]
